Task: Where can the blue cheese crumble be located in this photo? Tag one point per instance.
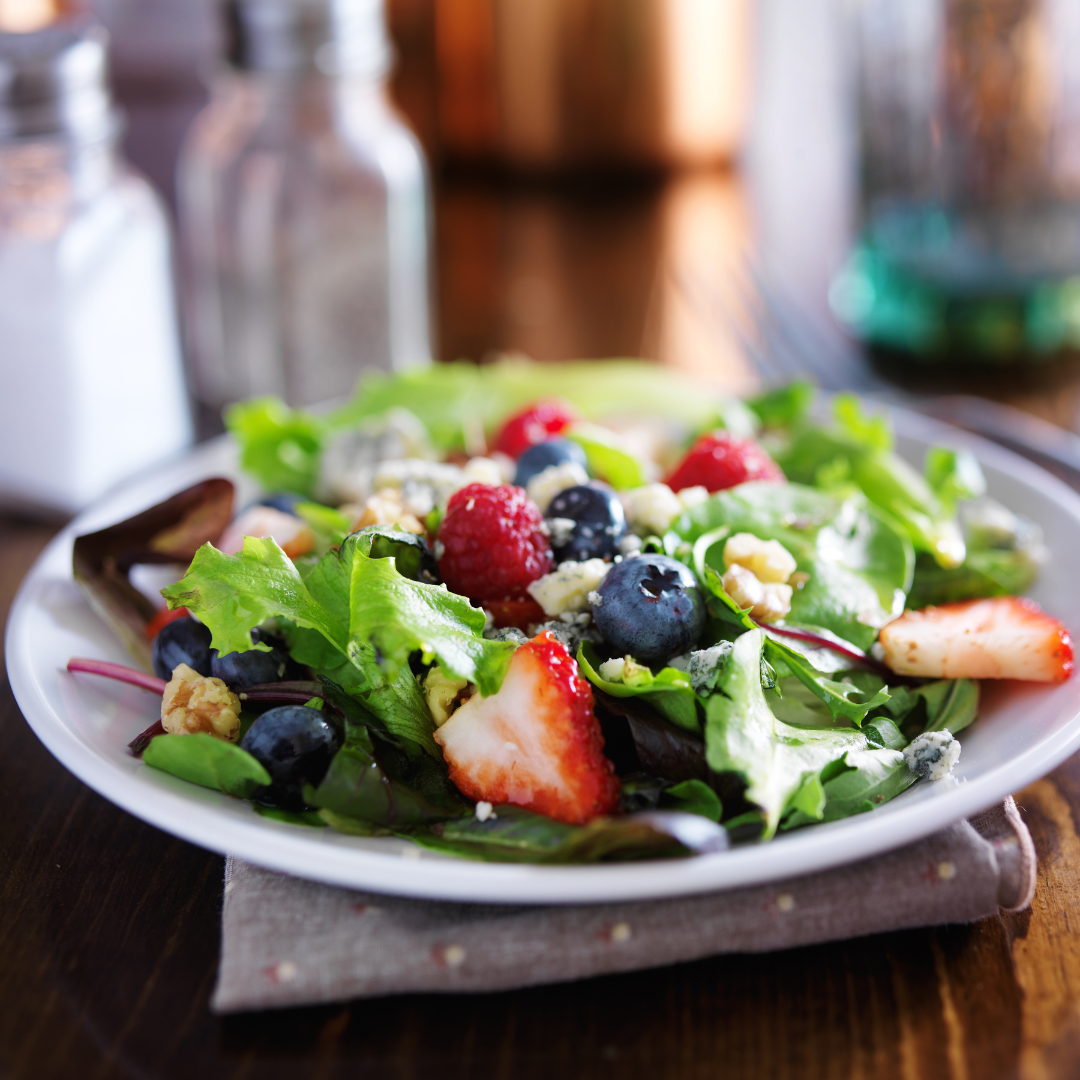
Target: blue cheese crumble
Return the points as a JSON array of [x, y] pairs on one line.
[[932, 755], [703, 665]]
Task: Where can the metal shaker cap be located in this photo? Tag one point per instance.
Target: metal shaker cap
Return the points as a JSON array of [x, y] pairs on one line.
[[53, 82], [333, 37]]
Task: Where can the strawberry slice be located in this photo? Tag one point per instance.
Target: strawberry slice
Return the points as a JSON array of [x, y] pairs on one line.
[[1007, 637], [536, 743]]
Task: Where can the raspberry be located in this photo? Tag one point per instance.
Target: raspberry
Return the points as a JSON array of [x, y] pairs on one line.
[[494, 543], [533, 425], [719, 460]]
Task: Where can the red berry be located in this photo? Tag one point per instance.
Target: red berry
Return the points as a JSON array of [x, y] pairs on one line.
[[536, 742], [719, 460], [494, 543], [536, 424]]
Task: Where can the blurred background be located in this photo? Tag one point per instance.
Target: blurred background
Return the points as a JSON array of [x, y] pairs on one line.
[[880, 195]]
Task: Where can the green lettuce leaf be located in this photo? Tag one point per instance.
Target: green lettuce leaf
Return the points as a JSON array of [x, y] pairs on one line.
[[859, 564], [985, 572], [935, 706], [953, 475], [353, 618], [780, 764], [668, 691], [280, 447]]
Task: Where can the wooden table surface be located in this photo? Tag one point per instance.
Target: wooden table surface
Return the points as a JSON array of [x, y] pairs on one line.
[[109, 928]]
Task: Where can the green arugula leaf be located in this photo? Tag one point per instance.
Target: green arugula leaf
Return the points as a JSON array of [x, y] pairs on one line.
[[778, 762], [785, 406], [668, 691], [208, 762], [953, 475], [870, 778], [935, 706], [309, 818]]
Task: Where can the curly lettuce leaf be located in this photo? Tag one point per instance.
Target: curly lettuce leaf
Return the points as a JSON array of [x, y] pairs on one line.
[[353, 618], [280, 447]]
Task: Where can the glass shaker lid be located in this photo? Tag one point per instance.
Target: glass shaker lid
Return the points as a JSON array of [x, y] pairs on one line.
[[53, 82], [333, 37]]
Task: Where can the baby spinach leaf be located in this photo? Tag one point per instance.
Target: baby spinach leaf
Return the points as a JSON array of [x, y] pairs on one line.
[[668, 691], [859, 565], [209, 762], [513, 834], [309, 818], [693, 797], [606, 459], [776, 760]]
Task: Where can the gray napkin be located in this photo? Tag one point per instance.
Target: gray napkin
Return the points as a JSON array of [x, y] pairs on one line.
[[291, 942]]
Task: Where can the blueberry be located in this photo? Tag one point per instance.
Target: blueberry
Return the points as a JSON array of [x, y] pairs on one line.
[[182, 641], [543, 455], [239, 670], [651, 607], [598, 520], [282, 500], [295, 745]]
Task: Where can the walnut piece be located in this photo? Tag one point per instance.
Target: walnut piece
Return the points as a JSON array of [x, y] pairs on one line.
[[194, 703], [387, 507], [768, 601]]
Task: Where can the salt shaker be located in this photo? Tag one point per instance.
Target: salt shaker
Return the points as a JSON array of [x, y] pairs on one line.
[[93, 387], [303, 210]]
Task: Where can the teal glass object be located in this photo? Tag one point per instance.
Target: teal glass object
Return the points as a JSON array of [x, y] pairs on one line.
[[969, 127]]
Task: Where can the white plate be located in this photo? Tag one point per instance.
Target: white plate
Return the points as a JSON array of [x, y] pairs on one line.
[[86, 722]]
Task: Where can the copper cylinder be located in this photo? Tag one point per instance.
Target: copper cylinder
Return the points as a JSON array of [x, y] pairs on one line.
[[548, 84]]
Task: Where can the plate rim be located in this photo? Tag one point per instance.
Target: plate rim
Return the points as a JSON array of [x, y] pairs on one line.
[[287, 849]]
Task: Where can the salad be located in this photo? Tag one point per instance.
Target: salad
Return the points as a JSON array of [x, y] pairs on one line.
[[569, 613]]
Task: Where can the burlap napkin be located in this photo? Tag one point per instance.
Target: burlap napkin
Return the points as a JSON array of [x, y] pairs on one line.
[[291, 942]]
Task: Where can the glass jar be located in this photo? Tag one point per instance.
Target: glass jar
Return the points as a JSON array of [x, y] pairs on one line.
[[969, 119], [93, 382], [303, 208]]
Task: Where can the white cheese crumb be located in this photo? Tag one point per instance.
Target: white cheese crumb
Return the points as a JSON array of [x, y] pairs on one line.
[[568, 586], [629, 544], [612, 670], [484, 810], [482, 470], [621, 932], [545, 485], [650, 509], [933, 754], [560, 530], [693, 496], [595, 599], [768, 560]]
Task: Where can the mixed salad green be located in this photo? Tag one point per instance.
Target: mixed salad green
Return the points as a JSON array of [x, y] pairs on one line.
[[764, 726]]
